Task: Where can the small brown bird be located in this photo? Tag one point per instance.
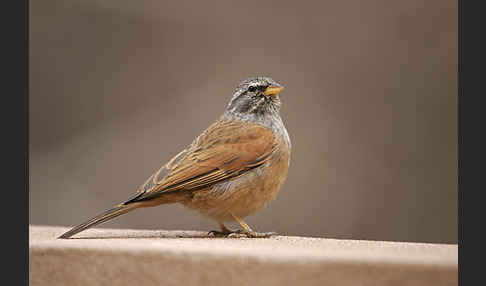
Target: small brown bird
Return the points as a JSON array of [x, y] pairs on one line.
[[230, 171]]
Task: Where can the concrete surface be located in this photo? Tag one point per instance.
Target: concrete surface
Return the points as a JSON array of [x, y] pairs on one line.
[[147, 257]]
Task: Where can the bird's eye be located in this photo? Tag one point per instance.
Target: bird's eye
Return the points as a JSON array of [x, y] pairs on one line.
[[252, 88]]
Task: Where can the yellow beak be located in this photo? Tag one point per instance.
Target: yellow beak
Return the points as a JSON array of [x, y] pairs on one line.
[[273, 90]]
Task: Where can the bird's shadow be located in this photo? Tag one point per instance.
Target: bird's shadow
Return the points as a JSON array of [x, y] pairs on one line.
[[151, 235]]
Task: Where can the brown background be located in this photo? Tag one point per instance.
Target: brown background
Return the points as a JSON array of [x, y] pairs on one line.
[[119, 87]]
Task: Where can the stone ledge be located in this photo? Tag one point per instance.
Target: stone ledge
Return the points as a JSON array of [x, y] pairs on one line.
[[144, 257]]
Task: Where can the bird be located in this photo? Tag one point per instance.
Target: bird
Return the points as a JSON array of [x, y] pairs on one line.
[[231, 170]]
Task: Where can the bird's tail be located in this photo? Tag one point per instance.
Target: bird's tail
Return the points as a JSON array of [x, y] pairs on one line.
[[101, 218]]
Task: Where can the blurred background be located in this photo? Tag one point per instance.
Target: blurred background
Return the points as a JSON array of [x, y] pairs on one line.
[[119, 87]]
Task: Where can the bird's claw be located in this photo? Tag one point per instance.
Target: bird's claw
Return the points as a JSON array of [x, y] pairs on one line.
[[217, 233], [254, 234], [241, 233]]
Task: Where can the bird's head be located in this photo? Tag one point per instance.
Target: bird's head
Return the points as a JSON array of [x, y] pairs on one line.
[[256, 96]]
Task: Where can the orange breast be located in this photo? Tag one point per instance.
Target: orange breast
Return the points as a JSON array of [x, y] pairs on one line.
[[247, 193]]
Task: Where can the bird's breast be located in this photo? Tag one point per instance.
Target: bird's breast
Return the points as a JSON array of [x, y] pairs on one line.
[[246, 194]]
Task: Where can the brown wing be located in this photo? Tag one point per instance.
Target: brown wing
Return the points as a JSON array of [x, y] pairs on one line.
[[225, 150]]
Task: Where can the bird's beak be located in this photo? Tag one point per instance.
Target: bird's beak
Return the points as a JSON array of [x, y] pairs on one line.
[[273, 90]]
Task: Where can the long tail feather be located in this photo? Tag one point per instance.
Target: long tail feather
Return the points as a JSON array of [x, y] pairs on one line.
[[101, 218]]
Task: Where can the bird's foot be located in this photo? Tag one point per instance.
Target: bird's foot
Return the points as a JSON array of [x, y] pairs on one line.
[[252, 234], [245, 232], [241, 233], [218, 233]]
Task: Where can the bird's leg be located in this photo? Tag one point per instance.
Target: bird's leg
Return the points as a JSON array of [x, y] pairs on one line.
[[247, 231], [224, 230]]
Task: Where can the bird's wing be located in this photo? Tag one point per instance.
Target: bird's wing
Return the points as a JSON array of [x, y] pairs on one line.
[[225, 150]]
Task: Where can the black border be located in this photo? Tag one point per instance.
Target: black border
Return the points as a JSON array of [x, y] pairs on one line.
[[471, 121], [15, 147]]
